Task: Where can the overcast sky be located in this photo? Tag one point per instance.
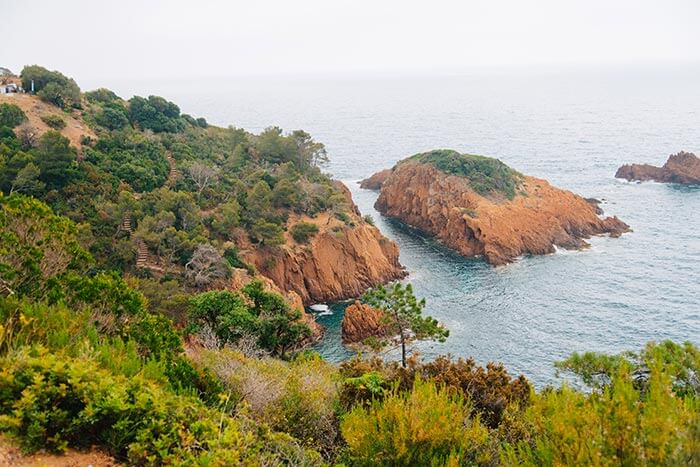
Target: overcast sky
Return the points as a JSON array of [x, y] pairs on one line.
[[110, 39]]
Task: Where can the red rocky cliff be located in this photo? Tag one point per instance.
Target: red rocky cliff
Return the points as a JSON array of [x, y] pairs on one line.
[[536, 220]]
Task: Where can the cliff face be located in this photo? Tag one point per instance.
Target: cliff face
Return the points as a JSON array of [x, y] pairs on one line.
[[538, 218], [360, 322], [341, 261], [683, 167]]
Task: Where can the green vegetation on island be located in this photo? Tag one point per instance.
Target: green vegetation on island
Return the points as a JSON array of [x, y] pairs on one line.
[[486, 175]]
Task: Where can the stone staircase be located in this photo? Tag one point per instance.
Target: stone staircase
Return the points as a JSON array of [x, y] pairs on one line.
[[143, 258], [126, 224], [174, 173], [141, 254]]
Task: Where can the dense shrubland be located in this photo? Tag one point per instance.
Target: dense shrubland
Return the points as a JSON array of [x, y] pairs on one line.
[[169, 368], [486, 175]]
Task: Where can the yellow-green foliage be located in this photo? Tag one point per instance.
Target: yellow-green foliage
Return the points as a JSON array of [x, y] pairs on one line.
[[50, 401], [426, 426], [298, 397], [618, 426]]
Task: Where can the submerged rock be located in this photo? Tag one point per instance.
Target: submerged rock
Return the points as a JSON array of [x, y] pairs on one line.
[[480, 207], [683, 167]]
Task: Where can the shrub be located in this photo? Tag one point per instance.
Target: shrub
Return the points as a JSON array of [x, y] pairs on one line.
[[51, 86], [302, 232], [155, 113], [368, 219], [491, 389], [255, 312], [102, 96], [425, 426], [51, 402], [343, 216], [619, 425], [54, 121], [11, 115], [112, 118], [37, 247], [297, 397], [486, 175]]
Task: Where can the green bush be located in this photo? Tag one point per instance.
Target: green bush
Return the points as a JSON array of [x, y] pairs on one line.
[[490, 389], [51, 402], [155, 113], [345, 217], [486, 175], [297, 397], [302, 232], [425, 426], [54, 121], [619, 425], [112, 118], [11, 115], [255, 312], [51, 86], [102, 96]]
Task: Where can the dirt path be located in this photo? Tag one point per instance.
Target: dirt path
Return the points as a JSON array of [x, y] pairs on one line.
[[10, 455]]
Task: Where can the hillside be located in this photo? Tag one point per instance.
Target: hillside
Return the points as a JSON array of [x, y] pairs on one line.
[[162, 194]]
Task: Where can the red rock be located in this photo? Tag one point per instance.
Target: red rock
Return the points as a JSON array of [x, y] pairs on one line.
[[683, 167], [536, 220], [340, 262], [375, 181], [360, 322]]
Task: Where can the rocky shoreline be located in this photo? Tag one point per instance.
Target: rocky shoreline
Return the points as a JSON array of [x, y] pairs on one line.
[[537, 219]]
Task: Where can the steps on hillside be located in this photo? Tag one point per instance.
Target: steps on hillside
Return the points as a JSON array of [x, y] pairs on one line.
[[143, 258], [126, 223], [174, 173], [141, 254]]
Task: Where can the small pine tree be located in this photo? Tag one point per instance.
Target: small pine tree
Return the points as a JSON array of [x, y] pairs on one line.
[[402, 313]]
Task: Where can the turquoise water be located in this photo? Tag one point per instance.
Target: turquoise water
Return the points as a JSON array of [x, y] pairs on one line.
[[573, 129]]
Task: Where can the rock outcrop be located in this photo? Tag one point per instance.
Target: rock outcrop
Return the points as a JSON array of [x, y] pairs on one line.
[[376, 181], [360, 322], [341, 261], [535, 219], [683, 167]]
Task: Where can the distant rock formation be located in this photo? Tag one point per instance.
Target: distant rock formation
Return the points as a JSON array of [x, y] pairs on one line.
[[360, 322], [527, 216], [375, 181], [683, 167]]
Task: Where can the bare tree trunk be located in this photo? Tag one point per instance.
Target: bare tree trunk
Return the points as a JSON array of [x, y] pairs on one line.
[[403, 349]]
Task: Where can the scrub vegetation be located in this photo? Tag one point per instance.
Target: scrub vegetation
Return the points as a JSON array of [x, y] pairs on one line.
[[165, 365]]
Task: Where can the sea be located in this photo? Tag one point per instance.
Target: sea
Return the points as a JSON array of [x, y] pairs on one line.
[[573, 127]]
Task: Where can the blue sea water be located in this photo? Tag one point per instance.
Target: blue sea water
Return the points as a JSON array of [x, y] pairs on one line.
[[574, 128]]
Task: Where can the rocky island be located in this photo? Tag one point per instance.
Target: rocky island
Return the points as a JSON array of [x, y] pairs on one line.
[[683, 168], [479, 206]]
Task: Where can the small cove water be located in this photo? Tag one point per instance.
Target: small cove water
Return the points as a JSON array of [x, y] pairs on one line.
[[574, 129]]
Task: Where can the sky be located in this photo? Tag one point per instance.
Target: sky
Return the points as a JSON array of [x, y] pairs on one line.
[[204, 38]]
